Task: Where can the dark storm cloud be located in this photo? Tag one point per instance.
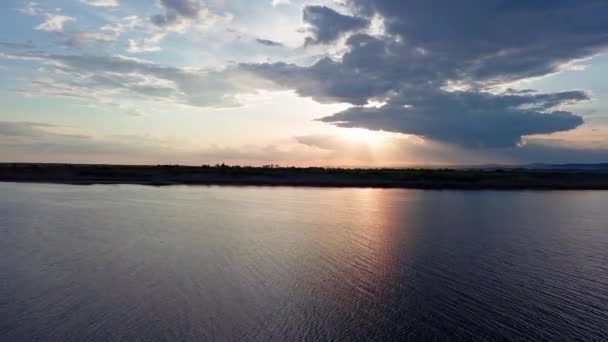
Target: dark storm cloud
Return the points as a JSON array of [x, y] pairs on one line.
[[354, 79], [502, 38], [268, 42], [470, 119], [328, 25], [320, 81], [429, 45]]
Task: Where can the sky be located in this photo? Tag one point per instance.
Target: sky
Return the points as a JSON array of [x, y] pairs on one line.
[[352, 83]]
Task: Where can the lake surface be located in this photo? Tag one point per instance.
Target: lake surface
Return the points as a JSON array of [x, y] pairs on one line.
[[136, 263]]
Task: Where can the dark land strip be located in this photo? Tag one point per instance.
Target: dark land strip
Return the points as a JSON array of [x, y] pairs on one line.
[[468, 178]]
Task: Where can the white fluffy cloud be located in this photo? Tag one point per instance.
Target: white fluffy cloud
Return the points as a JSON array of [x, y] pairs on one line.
[[101, 3], [280, 2], [55, 23]]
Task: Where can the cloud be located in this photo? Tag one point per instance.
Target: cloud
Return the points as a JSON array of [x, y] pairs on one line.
[[54, 23], [105, 36], [17, 45], [399, 151], [101, 3], [30, 8], [495, 39], [180, 15], [428, 50], [268, 42], [21, 129], [45, 142], [395, 151], [280, 2], [77, 38], [96, 76], [367, 71], [471, 119], [327, 25], [17, 137], [538, 151], [351, 151], [286, 153], [135, 47]]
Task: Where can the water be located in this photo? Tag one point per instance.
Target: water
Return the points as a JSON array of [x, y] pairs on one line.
[[135, 263]]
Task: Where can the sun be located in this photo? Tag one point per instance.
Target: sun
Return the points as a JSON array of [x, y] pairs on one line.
[[361, 135]]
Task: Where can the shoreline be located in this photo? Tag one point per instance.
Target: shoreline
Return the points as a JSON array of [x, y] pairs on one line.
[[313, 185], [222, 175]]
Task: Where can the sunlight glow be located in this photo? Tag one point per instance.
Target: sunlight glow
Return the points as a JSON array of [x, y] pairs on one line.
[[361, 135]]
